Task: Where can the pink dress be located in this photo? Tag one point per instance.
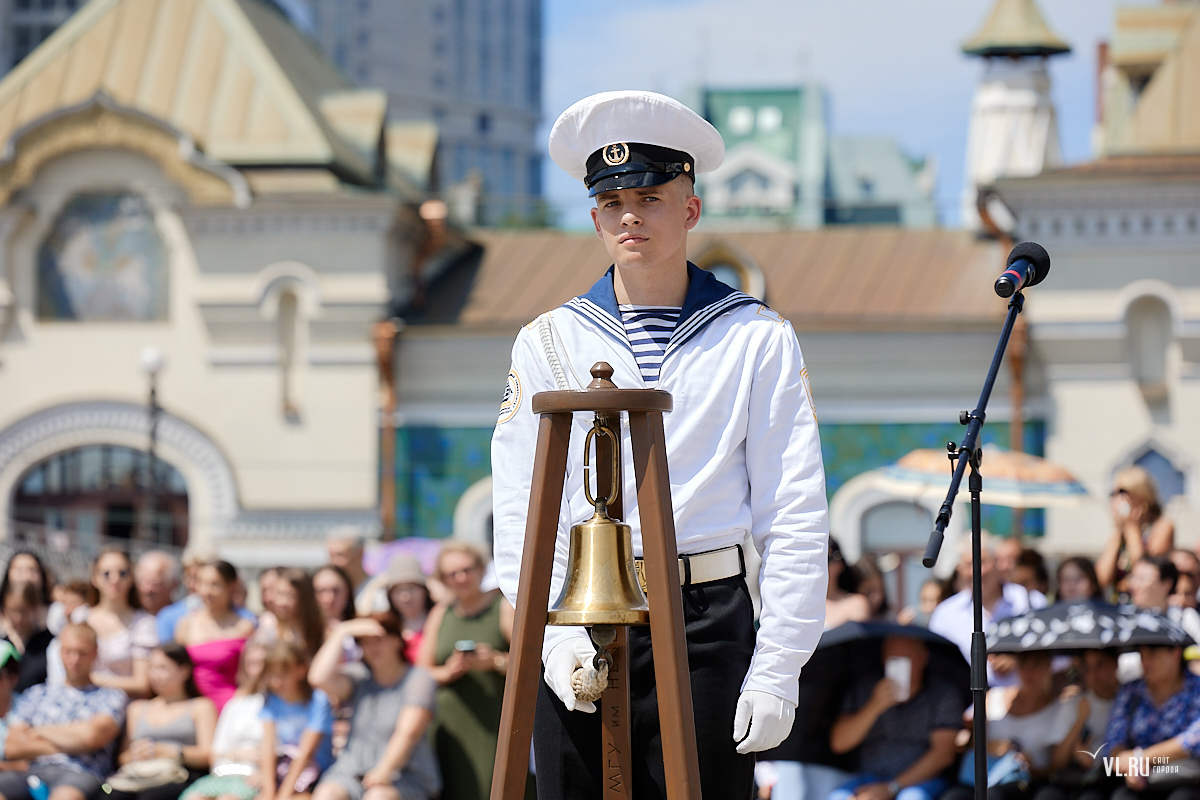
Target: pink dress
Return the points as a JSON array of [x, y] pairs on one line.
[[216, 668]]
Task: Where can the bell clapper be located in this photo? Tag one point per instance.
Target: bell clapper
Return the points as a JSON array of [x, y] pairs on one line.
[[602, 637]]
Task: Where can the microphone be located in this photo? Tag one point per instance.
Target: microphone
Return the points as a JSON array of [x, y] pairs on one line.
[[1028, 265]]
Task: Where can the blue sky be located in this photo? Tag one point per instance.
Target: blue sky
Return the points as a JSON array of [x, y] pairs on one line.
[[890, 67]]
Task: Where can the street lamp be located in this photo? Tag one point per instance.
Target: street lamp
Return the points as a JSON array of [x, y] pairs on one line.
[[152, 364]]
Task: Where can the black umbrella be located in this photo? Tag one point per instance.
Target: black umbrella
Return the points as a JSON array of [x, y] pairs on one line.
[[846, 656], [1084, 625]]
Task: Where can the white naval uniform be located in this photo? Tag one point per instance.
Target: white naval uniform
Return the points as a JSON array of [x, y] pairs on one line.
[[742, 448]]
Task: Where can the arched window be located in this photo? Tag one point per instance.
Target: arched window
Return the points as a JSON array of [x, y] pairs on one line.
[[1169, 479], [102, 491], [103, 261], [288, 324], [1148, 321]]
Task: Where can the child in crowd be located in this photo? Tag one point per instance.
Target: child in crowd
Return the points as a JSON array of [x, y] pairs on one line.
[[297, 725], [70, 604], [237, 742]]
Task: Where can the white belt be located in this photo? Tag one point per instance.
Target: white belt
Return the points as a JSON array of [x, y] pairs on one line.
[[697, 568]]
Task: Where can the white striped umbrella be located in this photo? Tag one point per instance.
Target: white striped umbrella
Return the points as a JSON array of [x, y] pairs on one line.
[[1010, 479]]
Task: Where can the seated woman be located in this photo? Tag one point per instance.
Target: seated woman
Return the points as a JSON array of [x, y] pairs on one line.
[[467, 721], [22, 611], [295, 616], [408, 596], [26, 567], [1030, 720], [387, 756], [176, 723], [215, 633], [1076, 581], [1140, 529], [334, 595], [1155, 718], [126, 634], [237, 742]]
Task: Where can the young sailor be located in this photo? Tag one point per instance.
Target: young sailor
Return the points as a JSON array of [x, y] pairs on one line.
[[742, 448]]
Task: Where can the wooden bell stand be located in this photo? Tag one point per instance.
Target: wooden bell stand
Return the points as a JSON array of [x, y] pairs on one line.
[[672, 679]]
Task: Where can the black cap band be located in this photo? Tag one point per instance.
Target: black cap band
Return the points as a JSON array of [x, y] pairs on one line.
[[630, 165]]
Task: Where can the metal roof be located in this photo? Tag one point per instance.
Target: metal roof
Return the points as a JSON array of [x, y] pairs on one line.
[[1015, 28], [845, 278], [233, 74]]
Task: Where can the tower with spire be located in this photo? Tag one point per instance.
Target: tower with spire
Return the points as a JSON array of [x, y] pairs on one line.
[[1014, 129]]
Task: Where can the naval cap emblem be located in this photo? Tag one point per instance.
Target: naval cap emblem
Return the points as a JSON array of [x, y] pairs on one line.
[[616, 153]]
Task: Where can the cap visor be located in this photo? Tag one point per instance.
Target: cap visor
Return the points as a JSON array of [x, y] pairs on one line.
[[632, 180]]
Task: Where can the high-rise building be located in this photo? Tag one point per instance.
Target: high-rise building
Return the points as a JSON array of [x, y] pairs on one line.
[[473, 67], [24, 24]]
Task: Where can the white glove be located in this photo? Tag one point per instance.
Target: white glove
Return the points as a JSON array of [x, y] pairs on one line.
[[762, 721], [566, 657]]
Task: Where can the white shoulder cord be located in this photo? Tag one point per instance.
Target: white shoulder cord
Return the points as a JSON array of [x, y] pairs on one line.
[[546, 334]]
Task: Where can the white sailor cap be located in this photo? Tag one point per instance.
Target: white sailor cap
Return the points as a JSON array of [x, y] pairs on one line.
[[624, 140]]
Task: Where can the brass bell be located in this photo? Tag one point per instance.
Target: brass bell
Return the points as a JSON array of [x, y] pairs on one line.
[[601, 586]]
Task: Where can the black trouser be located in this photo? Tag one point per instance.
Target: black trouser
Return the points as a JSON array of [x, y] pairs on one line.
[[719, 621]]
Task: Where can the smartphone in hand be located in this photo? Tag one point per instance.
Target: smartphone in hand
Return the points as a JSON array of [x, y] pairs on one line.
[[898, 669]]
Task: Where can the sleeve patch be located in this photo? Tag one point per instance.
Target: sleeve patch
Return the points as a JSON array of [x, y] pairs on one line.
[[512, 397], [763, 311]]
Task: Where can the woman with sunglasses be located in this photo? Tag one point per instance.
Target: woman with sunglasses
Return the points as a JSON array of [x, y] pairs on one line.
[[1140, 529], [125, 633], [465, 647]]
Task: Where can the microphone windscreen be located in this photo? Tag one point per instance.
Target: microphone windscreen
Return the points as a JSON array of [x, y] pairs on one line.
[[1036, 255]]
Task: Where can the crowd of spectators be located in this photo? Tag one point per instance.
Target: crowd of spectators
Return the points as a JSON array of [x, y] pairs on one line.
[[156, 680], [1053, 719]]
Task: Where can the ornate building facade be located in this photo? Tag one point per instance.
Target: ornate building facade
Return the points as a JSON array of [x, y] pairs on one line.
[[193, 180]]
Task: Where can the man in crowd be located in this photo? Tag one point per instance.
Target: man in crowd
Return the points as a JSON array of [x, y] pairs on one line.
[[156, 577], [67, 732], [907, 739], [955, 620], [1008, 553], [346, 551], [1188, 581], [168, 617]]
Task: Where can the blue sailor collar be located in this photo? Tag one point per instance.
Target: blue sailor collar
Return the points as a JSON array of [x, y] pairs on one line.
[[707, 298]]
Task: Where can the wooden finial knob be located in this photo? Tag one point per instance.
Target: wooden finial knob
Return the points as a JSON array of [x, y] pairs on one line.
[[602, 376]]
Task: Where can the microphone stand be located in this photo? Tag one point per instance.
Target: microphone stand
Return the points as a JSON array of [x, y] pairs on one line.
[[969, 453]]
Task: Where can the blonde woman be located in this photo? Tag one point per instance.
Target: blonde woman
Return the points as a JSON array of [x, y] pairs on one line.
[[125, 633], [465, 648], [1140, 529]]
